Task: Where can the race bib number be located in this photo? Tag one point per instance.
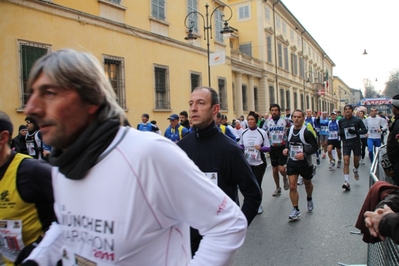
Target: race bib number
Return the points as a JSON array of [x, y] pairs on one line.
[[251, 153], [333, 135], [213, 176], [349, 135], [11, 239], [373, 130], [323, 129], [277, 137], [294, 150], [31, 148]]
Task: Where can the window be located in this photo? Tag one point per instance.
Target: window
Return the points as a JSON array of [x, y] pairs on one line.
[[115, 72], [294, 64], [284, 28], [218, 25], [243, 12], [304, 46], [280, 55], [267, 13], [115, 1], [288, 98], [302, 102], [313, 106], [222, 93], [269, 49], [158, 9], [286, 64], [296, 100], [161, 87], [29, 53], [299, 40], [282, 99], [195, 81], [301, 68], [244, 98], [234, 96], [292, 34], [307, 102], [271, 95], [192, 6], [246, 49], [256, 99], [278, 22]]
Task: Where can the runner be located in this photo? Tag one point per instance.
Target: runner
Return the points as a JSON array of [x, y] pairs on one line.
[[350, 128], [276, 128], [323, 135], [301, 144], [334, 141]]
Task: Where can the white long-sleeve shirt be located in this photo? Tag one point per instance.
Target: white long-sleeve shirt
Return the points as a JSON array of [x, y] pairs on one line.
[[135, 207], [373, 124]]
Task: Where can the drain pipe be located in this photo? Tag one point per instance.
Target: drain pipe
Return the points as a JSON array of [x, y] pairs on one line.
[[275, 51]]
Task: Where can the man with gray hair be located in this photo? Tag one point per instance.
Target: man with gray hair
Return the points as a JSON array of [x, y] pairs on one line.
[[122, 196]]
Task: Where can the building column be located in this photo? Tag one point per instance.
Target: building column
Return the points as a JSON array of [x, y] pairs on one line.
[[251, 94], [263, 92], [239, 94]]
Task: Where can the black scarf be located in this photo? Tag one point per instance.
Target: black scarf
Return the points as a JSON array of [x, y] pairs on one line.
[[77, 160]]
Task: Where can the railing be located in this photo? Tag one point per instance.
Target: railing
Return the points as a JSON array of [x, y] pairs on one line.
[[384, 253]]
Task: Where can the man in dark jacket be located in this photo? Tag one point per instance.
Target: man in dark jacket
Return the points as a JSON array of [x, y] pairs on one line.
[[393, 140], [19, 143], [221, 159]]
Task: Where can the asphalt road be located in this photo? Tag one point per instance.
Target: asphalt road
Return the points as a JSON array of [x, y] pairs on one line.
[[321, 237]]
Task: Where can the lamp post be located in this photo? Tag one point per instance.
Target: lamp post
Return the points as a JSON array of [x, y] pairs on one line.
[[317, 86], [207, 21]]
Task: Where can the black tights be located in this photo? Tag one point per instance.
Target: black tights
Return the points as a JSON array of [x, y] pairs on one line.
[[364, 145]]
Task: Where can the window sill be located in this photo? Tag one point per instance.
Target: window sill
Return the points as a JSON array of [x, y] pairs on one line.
[[20, 109], [162, 110], [112, 4], [160, 21]]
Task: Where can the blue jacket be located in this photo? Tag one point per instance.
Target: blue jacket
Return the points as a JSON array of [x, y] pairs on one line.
[[176, 134]]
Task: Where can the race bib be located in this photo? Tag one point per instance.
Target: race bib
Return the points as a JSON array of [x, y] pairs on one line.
[[277, 137], [349, 135], [213, 176], [294, 150], [31, 148], [373, 130], [333, 135], [11, 242], [323, 129], [251, 153]]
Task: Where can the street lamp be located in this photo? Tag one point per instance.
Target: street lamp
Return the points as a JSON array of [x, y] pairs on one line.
[[207, 20], [317, 86]]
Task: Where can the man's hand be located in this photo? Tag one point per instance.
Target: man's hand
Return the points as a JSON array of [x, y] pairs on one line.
[[373, 219], [352, 131]]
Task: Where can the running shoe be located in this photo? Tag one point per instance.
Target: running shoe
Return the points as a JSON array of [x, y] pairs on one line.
[[310, 205], [300, 180], [277, 192], [294, 214], [286, 184], [314, 170], [362, 162], [260, 209], [332, 164], [346, 186], [339, 164], [323, 156], [318, 161], [355, 171]]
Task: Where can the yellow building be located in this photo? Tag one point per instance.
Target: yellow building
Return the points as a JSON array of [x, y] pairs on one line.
[[269, 56], [342, 93]]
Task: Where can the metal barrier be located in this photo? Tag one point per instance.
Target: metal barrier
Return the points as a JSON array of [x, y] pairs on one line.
[[384, 253]]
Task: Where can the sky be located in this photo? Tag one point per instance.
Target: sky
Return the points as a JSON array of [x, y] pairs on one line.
[[344, 28]]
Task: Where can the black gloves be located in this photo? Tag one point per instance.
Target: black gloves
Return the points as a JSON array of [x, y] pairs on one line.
[[352, 131]]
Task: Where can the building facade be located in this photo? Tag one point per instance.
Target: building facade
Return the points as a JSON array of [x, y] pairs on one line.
[[270, 57]]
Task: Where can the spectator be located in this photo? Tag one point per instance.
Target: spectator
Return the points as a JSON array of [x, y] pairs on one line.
[[155, 124], [184, 119], [175, 131], [33, 139], [145, 125], [19, 142], [393, 140]]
